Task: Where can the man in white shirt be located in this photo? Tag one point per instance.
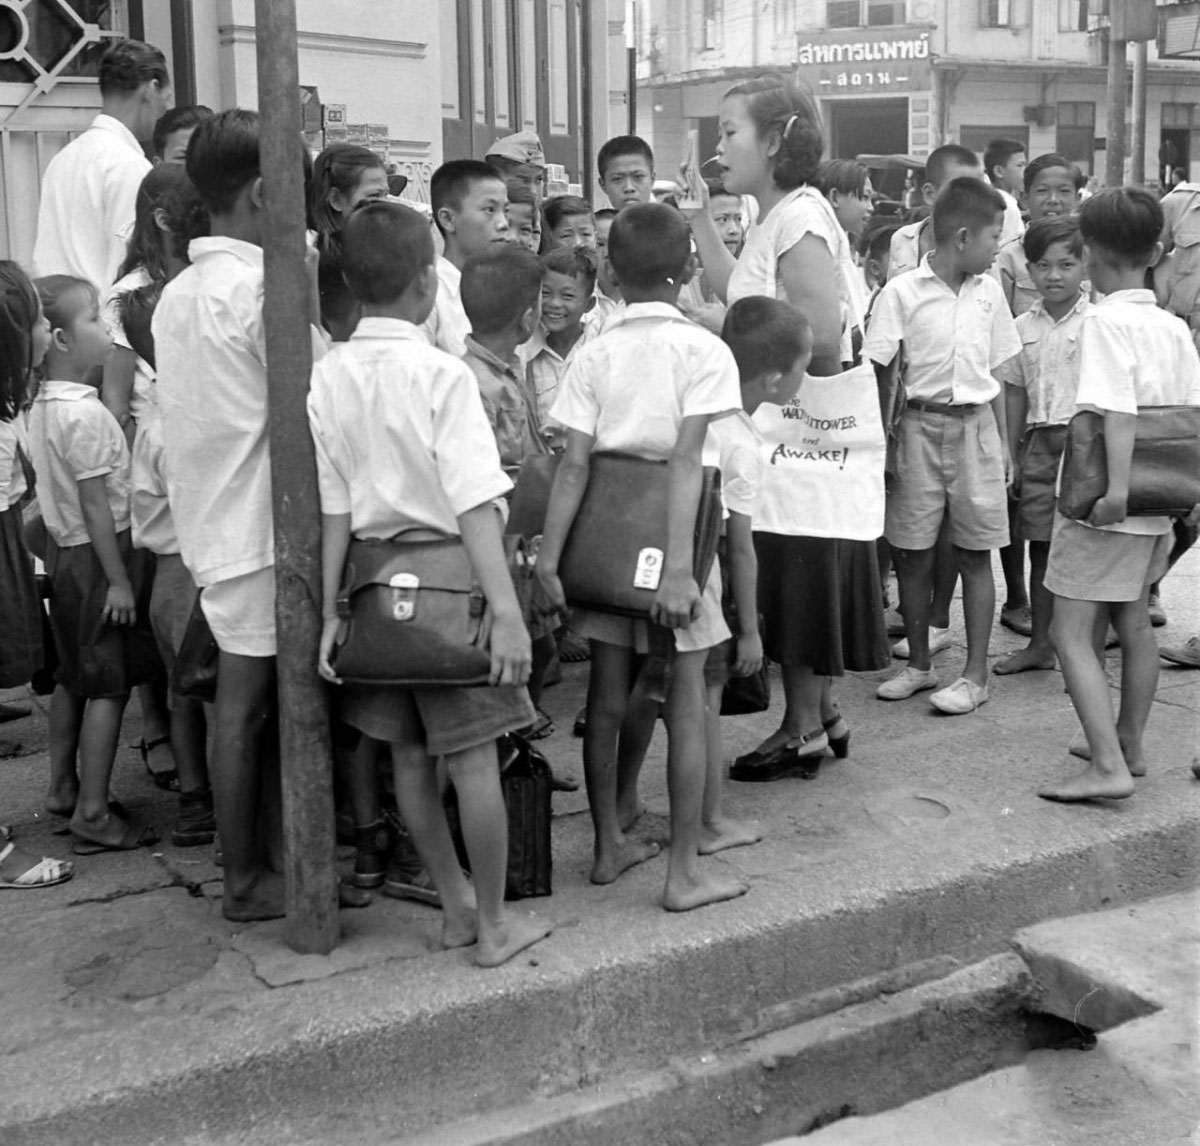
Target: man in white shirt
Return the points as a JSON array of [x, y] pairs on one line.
[[469, 200], [89, 190]]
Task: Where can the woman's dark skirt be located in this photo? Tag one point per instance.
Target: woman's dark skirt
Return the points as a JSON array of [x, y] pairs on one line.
[[20, 606]]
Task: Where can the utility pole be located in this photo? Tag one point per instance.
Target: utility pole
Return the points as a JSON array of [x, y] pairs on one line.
[[1137, 140], [308, 826], [1114, 152]]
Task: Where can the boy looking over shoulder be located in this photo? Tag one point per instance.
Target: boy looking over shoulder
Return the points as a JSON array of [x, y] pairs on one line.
[[605, 404], [469, 200], [1131, 355], [952, 459], [402, 443]]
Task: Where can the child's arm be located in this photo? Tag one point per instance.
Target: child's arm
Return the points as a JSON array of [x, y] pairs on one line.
[[509, 643], [808, 273], [570, 481], [1119, 430], [743, 576], [335, 542], [119, 370], [1016, 409], [1000, 412], [119, 605], [715, 257], [677, 601]]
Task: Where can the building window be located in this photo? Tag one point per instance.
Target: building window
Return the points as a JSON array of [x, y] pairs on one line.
[[712, 16], [1076, 133], [995, 13], [1072, 15], [864, 13]]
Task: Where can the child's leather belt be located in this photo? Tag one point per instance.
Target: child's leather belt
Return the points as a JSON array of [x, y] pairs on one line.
[[954, 411]]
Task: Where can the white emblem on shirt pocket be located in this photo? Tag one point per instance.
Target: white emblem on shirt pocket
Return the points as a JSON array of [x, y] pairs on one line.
[[649, 569], [404, 588]]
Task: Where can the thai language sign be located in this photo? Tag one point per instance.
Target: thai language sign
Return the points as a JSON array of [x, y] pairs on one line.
[[862, 60]]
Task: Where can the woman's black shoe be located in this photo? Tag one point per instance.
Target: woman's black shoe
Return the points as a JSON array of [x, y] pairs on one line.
[[800, 758]]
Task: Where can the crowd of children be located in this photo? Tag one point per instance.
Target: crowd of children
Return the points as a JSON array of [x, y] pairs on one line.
[[518, 331]]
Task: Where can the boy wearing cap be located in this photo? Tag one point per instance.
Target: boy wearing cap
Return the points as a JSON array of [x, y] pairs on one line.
[[521, 157]]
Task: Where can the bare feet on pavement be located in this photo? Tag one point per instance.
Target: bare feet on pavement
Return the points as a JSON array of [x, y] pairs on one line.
[[512, 937], [1079, 747], [1025, 660], [723, 833], [702, 890], [1090, 784], [629, 854], [262, 899]]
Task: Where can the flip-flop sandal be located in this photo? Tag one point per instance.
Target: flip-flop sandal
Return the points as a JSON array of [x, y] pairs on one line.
[[45, 873], [167, 780], [135, 836]]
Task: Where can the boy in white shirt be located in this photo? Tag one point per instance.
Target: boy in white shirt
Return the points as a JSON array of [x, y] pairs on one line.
[[956, 331], [1132, 354], [605, 404], [210, 347], [470, 202], [1004, 162], [912, 242], [402, 443]]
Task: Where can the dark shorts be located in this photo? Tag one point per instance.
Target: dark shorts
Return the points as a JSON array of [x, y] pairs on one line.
[[440, 720], [95, 659], [171, 604], [1041, 453]]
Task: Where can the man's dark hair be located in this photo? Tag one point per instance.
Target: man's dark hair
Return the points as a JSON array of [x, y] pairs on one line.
[[941, 158], [499, 286], [620, 146], [876, 239], [716, 188], [178, 119], [222, 157], [965, 202], [766, 335], [563, 207], [453, 181], [574, 262], [1044, 233], [999, 152], [1051, 160], [844, 176], [127, 64], [649, 244], [384, 247], [1126, 222]]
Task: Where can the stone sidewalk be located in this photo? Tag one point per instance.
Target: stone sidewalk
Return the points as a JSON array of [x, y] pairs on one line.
[[133, 1011]]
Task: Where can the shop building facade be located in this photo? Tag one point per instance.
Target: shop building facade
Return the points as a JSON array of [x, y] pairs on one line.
[[904, 76]]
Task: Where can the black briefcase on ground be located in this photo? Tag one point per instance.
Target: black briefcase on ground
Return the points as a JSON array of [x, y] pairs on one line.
[[525, 780]]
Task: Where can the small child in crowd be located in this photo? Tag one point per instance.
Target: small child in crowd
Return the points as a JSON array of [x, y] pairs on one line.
[[956, 332], [402, 443], [1004, 162], [98, 588], [608, 294], [173, 132], [469, 202], [605, 405], [625, 165], [1040, 385], [568, 223], [912, 242], [1051, 189], [524, 216], [1131, 355]]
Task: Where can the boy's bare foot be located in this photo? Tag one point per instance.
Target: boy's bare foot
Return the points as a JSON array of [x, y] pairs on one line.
[[262, 899], [1079, 747], [61, 798], [459, 930], [701, 891], [1025, 660], [511, 938], [1090, 784], [723, 833], [631, 853], [629, 814]]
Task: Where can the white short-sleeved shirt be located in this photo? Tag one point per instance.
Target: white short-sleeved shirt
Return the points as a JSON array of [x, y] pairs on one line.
[[596, 318], [1012, 266], [143, 372], [804, 211], [1013, 226], [210, 348], [544, 366], [904, 253], [631, 387], [447, 326], [88, 203], [734, 446], [1132, 354], [150, 511], [13, 485], [72, 437], [952, 342], [401, 437], [1047, 368]]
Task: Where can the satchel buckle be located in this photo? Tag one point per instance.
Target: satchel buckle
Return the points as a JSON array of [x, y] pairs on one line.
[[404, 588]]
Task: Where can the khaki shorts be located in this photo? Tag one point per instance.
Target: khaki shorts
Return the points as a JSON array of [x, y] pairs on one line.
[[1041, 455], [1089, 564], [241, 613], [948, 466]]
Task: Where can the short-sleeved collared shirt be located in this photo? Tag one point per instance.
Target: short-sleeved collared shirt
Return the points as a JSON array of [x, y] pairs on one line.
[[1011, 266], [905, 252], [210, 350], [1133, 354], [631, 387], [509, 405], [72, 437], [143, 372], [1047, 368], [150, 510], [401, 438], [1014, 225], [89, 197], [952, 342], [447, 326], [544, 366], [734, 446], [605, 308]]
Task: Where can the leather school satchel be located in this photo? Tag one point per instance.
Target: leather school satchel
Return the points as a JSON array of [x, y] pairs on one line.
[[1164, 476], [412, 613], [614, 555]]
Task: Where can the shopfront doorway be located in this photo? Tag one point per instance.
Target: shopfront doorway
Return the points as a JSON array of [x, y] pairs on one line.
[[867, 126]]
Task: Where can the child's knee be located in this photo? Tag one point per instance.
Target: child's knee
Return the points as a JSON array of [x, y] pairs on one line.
[[974, 562]]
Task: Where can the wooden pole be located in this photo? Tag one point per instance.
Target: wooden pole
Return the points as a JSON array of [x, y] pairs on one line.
[[1114, 152], [1137, 144], [308, 826]]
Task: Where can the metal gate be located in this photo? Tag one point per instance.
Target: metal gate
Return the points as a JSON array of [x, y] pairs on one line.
[[49, 52]]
